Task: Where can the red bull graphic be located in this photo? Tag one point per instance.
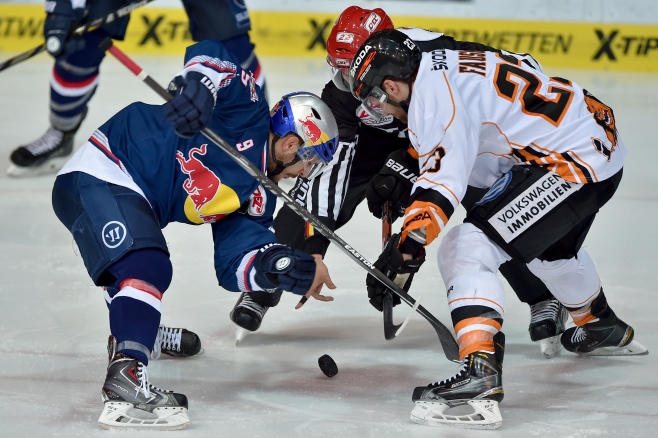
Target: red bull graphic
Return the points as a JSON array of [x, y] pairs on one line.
[[313, 132], [208, 199], [202, 184]]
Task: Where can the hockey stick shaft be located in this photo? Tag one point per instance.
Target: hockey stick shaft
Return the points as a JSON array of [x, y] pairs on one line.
[[450, 348], [391, 330], [119, 13]]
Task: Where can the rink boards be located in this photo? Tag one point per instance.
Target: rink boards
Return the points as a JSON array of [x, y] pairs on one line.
[[152, 30]]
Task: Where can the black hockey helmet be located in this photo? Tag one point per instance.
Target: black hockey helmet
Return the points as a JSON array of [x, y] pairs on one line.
[[385, 53]]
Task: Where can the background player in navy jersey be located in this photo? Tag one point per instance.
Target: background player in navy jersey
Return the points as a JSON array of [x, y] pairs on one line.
[[75, 74], [148, 166], [365, 146]]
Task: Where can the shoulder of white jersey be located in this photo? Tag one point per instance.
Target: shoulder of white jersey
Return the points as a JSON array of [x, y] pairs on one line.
[[525, 58], [418, 34]]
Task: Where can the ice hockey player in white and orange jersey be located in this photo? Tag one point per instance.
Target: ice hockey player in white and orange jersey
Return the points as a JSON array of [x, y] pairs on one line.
[[550, 153]]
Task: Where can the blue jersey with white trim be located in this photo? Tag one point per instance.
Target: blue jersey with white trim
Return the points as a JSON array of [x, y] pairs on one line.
[[191, 180]]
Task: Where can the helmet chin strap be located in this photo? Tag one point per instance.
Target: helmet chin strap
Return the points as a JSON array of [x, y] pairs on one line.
[[280, 165]]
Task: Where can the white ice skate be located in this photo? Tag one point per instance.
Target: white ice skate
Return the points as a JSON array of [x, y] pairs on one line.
[[116, 415], [131, 402], [485, 415], [478, 384]]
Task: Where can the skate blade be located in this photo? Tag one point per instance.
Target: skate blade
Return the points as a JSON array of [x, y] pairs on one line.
[[550, 346], [49, 167], [240, 334], [634, 348], [115, 416], [486, 415]]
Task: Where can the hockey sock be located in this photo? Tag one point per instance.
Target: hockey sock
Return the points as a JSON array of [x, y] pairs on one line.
[[474, 300], [73, 82], [135, 318], [583, 314]]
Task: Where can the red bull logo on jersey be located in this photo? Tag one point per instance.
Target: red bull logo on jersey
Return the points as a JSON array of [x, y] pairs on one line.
[[208, 199], [314, 135], [202, 184]]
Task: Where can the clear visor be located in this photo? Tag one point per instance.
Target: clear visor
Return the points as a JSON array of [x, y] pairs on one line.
[[374, 102], [340, 77], [314, 165]]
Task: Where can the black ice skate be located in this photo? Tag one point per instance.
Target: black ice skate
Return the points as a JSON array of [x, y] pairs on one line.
[[478, 384], [177, 342], [605, 336], [547, 322], [45, 155], [250, 309], [127, 387]]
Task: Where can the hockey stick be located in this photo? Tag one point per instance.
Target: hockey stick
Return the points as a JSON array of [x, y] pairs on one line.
[[119, 13], [450, 348], [391, 331]]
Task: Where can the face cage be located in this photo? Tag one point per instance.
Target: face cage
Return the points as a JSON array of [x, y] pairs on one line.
[[314, 165], [338, 77], [374, 102]]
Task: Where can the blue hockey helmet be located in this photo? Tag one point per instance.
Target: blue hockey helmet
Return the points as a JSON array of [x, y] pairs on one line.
[[307, 116]]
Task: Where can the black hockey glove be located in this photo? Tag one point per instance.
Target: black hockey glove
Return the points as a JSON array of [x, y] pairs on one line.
[[401, 271], [288, 269], [60, 20], [393, 183], [191, 109]]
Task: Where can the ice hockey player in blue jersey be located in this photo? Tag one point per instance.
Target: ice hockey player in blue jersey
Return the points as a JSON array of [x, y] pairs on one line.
[[75, 75], [148, 166]]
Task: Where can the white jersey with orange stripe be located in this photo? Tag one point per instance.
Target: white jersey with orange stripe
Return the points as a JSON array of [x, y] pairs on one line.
[[473, 115]]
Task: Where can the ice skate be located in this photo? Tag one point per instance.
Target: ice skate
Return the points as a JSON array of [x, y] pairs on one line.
[[478, 384], [45, 155], [547, 323], [127, 388], [606, 335], [250, 309], [177, 342]]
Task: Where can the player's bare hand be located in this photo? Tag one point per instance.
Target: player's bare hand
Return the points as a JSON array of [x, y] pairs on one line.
[[321, 278]]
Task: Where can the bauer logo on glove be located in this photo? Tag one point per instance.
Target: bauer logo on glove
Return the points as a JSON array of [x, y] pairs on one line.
[[393, 183]]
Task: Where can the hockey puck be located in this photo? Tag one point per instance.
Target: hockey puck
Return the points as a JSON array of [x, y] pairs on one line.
[[328, 366]]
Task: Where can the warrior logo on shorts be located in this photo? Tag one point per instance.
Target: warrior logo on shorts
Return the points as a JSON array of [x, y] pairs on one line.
[[114, 234], [603, 116]]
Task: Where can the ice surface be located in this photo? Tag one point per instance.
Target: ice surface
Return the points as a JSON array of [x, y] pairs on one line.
[[53, 322]]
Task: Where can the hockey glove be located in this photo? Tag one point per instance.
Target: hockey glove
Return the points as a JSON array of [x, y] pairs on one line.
[[393, 183], [391, 264], [288, 269], [60, 20], [191, 109]]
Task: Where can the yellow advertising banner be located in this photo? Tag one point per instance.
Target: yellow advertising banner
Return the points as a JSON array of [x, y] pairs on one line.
[[626, 47]]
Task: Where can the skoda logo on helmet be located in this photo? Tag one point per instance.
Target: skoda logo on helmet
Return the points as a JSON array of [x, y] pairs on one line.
[[358, 59]]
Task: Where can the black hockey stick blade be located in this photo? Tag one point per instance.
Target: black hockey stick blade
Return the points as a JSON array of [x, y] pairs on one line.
[[119, 13], [450, 348], [390, 329]]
